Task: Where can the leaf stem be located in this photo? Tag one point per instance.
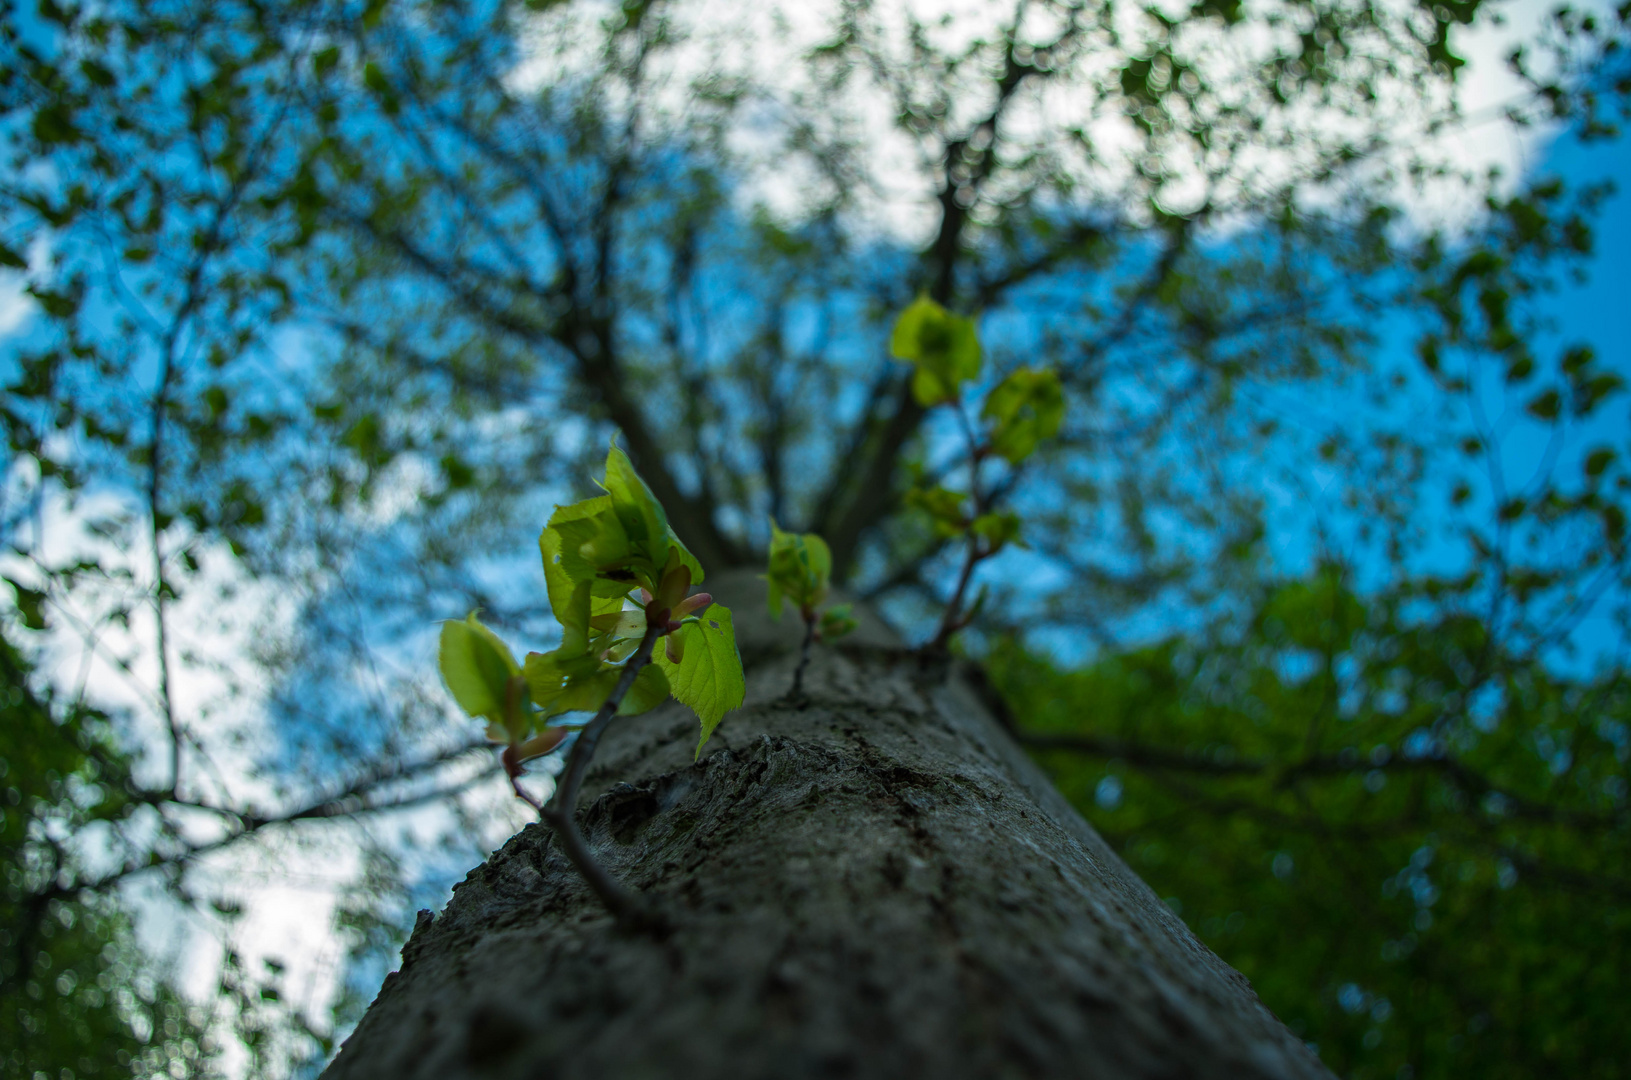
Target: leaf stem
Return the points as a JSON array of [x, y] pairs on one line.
[[804, 654], [561, 811], [951, 622]]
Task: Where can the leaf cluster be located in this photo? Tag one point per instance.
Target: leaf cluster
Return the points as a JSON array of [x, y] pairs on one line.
[[1412, 841], [1021, 412], [801, 573], [615, 573]]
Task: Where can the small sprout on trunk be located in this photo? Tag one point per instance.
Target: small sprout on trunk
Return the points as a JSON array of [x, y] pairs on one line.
[[801, 573], [618, 579]]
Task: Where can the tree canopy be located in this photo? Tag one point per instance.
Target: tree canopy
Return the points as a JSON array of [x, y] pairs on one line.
[[326, 304]]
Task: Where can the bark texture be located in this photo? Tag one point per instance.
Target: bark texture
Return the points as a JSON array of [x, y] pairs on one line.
[[875, 882]]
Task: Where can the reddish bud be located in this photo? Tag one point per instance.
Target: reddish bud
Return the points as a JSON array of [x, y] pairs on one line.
[[675, 583], [693, 603], [537, 746]]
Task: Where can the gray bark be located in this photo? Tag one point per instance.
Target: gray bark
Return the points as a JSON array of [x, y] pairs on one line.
[[874, 883]]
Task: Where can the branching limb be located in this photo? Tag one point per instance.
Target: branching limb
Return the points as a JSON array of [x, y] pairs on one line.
[[860, 498], [1167, 760], [356, 798]]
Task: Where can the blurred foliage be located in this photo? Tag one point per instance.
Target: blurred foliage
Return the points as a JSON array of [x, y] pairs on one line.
[[1413, 842], [329, 300], [78, 997]]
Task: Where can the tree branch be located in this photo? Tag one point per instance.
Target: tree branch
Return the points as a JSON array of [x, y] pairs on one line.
[[561, 813], [871, 493], [348, 802]]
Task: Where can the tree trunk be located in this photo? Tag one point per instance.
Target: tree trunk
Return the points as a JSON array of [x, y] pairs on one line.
[[874, 883]]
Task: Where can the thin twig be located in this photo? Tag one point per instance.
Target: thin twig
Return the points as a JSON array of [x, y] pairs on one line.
[[348, 802], [561, 812], [804, 654], [952, 622], [512, 769], [191, 301]]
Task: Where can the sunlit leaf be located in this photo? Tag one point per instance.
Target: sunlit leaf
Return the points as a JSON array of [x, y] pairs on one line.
[[593, 545], [562, 684], [642, 516], [620, 540], [478, 667], [708, 678], [561, 681], [562, 589], [650, 690]]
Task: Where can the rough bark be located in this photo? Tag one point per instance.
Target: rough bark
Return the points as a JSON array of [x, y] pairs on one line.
[[875, 882]]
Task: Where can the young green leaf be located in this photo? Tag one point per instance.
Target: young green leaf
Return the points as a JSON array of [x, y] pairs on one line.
[[564, 680], [590, 692], [584, 617], [620, 539], [650, 690], [478, 667], [1026, 407], [563, 683], [942, 347], [944, 507], [998, 529], [643, 518], [556, 678], [837, 621], [556, 581], [708, 677], [620, 625], [800, 569], [593, 544]]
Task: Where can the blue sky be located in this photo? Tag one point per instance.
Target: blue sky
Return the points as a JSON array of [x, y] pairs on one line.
[[1597, 310]]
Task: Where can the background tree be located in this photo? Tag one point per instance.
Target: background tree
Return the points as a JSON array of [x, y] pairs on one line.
[[336, 299], [1323, 764], [74, 986]]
